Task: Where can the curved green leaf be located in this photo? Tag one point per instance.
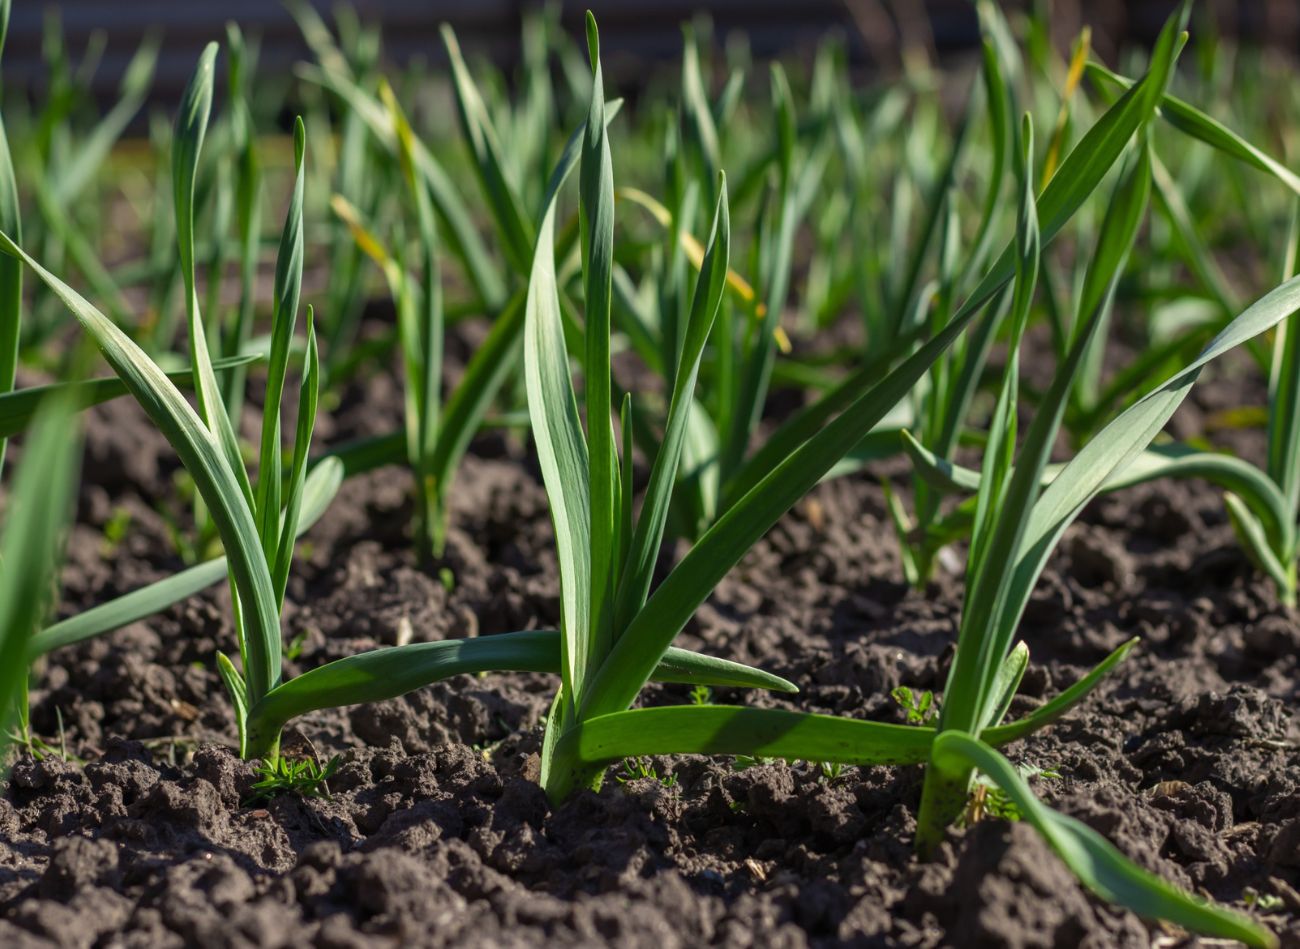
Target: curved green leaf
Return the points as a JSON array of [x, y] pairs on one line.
[[1284, 393], [19, 407], [187, 143], [321, 486], [238, 693], [1187, 118], [738, 730], [1255, 540], [648, 534], [512, 224], [308, 394], [1050, 711], [11, 270], [1092, 858], [1255, 488], [561, 445], [387, 673], [35, 518], [1115, 447], [1007, 683], [203, 459], [287, 291]]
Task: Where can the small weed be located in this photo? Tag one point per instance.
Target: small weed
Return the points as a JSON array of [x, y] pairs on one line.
[[919, 706], [831, 770], [1264, 902], [635, 768], [989, 800], [302, 777], [115, 528], [293, 651]]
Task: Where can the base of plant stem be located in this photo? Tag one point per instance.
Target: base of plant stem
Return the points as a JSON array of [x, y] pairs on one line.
[[567, 775], [430, 523], [1287, 593], [260, 743], [943, 799]]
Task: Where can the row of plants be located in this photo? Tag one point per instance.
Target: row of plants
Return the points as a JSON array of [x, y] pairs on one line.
[[1036, 214]]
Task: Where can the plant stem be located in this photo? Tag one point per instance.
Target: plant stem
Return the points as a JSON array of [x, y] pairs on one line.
[[943, 797], [262, 740], [567, 774]]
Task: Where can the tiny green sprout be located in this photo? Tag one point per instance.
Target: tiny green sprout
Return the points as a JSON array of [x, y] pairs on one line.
[[988, 800], [745, 762], [1265, 902], [831, 770], [115, 528], [701, 695], [447, 578], [302, 777], [919, 706], [37, 747], [293, 651], [636, 768]]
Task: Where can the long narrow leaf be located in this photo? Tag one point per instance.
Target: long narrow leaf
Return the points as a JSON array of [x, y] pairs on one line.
[[19, 407], [561, 446], [1119, 443], [388, 673], [649, 531], [203, 458], [321, 486], [1187, 118], [308, 394], [288, 289], [187, 143], [11, 270], [596, 218], [1053, 709], [476, 124], [737, 730], [36, 515], [1096, 862], [1255, 488]]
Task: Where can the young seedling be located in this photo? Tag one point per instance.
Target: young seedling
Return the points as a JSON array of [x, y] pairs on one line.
[[942, 402], [917, 706], [1016, 525], [435, 436], [1262, 503], [301, 778], [258, 546], [611, 645], [256, 529], [36, 516]]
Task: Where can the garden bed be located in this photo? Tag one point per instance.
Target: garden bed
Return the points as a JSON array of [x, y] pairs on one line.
[[436, 833]]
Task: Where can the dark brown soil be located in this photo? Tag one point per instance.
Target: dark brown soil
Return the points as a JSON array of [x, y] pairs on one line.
[[434, 834]]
